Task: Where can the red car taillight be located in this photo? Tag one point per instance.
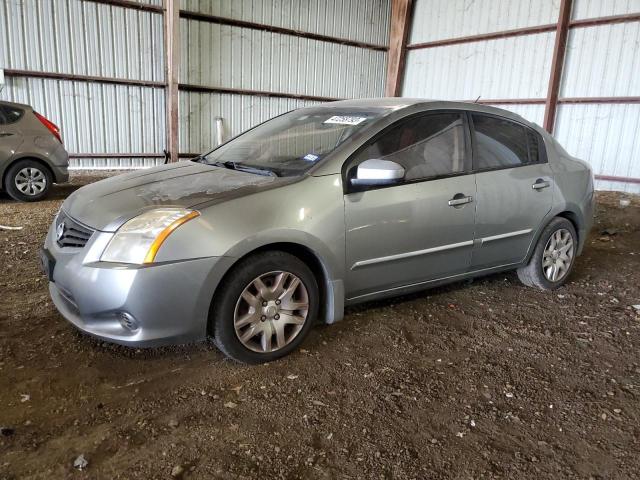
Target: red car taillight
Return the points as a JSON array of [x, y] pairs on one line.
[[52, 127]]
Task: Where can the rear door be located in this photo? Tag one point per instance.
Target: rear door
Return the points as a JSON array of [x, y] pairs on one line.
[[422, 227], [515, 189], [10, 135]]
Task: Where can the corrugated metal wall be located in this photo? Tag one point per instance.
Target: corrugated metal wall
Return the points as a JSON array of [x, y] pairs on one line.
[[230, 56], [239, 113], [359, 20], [85, 38], [99, 118], [516, 67], [439, 20], [601, 61], [244, 58], [88, 38], [603, 8]]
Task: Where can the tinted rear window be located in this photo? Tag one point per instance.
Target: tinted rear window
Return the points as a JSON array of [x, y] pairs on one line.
[[500, 143], [10, 114], [537, 153]]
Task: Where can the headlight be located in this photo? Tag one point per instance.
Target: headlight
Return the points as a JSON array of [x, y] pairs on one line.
[[139, 239]]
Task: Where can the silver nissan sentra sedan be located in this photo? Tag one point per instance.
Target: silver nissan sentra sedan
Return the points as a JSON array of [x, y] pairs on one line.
[[319, 208]]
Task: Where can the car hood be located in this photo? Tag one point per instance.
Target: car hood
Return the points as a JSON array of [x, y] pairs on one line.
[[106, 204]]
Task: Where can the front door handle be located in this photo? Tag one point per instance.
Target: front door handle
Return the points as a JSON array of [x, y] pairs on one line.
[[5, 134], [540, 184], [460, 199]]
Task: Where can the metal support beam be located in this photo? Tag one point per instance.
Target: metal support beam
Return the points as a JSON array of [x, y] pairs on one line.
[[172, 62], [516, 32], [610, 20], [10, 72], [557, 62], [204, 17], [256, 93], [400, 23], [129, 4]]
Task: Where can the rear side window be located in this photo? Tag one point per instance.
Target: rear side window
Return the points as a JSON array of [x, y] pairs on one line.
[[499, 143], [537, 152], [427, 147], [9, 114]]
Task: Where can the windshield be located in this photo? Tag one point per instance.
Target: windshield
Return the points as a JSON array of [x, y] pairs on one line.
[[292, 143]]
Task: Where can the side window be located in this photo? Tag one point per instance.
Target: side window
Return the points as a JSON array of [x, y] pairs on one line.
[[537, 152], [499, 143], [428, 146], [9, 115]]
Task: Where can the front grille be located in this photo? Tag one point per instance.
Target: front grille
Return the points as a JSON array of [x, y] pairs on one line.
[[70, 233]]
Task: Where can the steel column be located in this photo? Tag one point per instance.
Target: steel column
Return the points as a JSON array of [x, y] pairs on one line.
[[559, 49], [172, 61], [400, 23]]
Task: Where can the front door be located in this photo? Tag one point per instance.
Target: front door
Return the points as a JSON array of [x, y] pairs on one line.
[[421, 228], [515, 190]]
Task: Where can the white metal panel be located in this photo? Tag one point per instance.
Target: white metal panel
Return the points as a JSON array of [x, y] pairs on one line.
[[113, 163], [603, 61], [358, 20], [606, 136], [602, 8], [238, 113], [155, 3], [96, 118], [78, 37], [444, 19], [534, 113], [515, 67], [221, 55]]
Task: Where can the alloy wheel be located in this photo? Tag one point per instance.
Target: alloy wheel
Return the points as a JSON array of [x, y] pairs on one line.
[[30, 181], [558, 255], [271, 311]]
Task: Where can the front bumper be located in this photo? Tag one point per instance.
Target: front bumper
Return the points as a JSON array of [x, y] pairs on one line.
[[139, 306]]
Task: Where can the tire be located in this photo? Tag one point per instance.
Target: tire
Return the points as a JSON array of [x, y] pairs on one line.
[[533, 274], [241, 310], [20, 173]]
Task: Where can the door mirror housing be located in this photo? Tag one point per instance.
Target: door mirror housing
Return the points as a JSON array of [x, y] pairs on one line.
[[378, 172]]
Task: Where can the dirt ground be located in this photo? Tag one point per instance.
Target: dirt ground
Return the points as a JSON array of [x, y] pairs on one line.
[[482, 379]]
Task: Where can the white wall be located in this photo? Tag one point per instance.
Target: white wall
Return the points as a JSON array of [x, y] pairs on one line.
[[225, 56], [601, 61], [87, 38]]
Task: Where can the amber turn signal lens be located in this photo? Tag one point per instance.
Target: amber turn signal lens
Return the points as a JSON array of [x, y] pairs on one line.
[[157, 243]]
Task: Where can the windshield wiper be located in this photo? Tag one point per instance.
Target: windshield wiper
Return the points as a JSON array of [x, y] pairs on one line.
[[244, 168], [258, 171]]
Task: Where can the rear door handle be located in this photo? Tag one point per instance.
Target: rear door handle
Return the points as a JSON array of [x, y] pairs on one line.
[[5, 134], [540, 184], [460, 199]]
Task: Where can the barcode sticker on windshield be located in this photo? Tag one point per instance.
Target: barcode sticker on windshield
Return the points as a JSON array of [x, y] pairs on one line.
[[342, 120]]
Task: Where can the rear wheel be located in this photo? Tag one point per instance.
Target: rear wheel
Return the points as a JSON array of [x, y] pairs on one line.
[[265, 308], [553, 257], [28, 181]]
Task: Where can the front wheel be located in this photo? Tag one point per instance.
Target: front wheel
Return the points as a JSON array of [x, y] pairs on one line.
[[265, 308], [553, 257]]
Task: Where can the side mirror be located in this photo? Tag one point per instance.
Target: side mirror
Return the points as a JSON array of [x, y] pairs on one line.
[[378, 172]]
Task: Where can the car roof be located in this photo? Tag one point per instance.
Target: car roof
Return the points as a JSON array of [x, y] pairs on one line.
[[15, 105], [399, 103]]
